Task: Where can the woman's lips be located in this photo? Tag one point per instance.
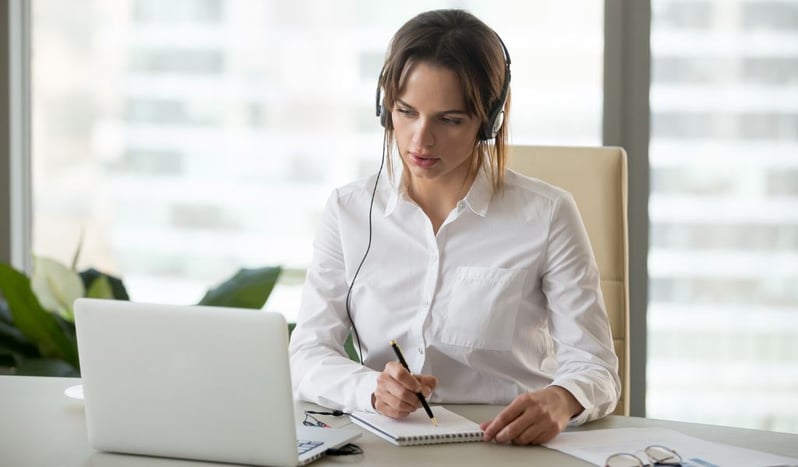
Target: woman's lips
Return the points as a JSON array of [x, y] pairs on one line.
[[423, 160]]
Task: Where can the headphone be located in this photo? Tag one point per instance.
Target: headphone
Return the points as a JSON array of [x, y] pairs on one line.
[[492, 125]]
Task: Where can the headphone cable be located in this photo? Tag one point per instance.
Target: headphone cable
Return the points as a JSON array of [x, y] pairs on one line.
[[368, 248]]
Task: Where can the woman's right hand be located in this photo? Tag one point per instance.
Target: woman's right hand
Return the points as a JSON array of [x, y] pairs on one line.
[[395, 395]]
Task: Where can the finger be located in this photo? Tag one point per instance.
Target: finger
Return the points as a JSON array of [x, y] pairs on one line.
[[504, 418], [526, 435], [538, 433], [532, 427], [386, 399], [400, 391], [516, 428], [390, 384], [388, 404], [395, 393], [484, 426], [427, 381], [389, 411], [400, 374]]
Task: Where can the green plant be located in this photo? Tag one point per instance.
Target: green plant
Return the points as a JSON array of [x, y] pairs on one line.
[[37, 329]]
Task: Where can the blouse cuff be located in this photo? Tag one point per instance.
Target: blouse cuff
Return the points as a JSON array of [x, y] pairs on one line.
[[581, 397], [365, 388]]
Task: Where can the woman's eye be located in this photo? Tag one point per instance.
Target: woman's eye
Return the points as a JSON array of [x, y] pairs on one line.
[[452, 121], [404, 111]]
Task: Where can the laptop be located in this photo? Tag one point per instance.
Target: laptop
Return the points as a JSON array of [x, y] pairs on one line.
[[193, 382]]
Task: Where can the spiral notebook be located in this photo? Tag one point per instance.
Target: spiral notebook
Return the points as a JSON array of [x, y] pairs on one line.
[[417, 429]]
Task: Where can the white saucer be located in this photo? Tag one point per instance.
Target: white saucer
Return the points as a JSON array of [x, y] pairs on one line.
[[74, 392]]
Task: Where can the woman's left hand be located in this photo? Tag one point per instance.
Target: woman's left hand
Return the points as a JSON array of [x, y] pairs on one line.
[[533, 418]]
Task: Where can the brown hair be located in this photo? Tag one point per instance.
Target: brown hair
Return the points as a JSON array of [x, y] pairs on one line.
[[461, 42]]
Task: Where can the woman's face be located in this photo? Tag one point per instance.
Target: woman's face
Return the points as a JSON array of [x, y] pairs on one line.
[[434, 134]]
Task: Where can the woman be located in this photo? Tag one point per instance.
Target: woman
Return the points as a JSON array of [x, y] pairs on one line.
[[485, 277]]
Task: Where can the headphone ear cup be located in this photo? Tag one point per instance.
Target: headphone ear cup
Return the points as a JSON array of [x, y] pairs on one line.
[[383, 116], [492, 126], [497, 123]]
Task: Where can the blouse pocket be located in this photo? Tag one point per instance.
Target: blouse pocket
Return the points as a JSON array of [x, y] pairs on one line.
[[483, 307]]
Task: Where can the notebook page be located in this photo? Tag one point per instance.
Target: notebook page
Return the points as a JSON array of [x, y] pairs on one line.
[[417, 428]]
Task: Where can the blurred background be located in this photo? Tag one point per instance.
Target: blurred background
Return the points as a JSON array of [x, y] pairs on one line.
[[185, 139]]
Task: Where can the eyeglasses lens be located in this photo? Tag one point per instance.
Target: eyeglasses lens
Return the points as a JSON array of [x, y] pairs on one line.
[[623, 460], [661, 455]]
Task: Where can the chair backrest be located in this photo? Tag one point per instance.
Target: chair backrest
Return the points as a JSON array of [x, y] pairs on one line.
[[597, 179]]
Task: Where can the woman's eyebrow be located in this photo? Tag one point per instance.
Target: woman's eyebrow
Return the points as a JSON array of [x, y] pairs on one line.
[[452, 111]]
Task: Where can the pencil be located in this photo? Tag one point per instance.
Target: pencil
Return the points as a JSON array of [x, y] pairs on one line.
[[420, 396]]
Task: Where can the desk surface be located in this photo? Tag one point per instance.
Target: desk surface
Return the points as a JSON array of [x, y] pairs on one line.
[[39, 426]]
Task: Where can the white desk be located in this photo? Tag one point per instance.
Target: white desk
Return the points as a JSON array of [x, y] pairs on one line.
[[39, 426]]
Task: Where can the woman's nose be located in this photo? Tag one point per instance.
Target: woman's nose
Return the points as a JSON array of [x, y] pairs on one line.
[[423, 135]]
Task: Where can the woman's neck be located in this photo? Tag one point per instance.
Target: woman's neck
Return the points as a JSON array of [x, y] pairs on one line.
[[437, 198]]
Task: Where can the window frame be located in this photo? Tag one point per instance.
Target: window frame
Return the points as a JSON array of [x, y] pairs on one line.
[[627, 110], [16, 206]]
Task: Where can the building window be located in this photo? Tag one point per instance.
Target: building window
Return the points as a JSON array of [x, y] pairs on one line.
[[723, 257], [190, 138]]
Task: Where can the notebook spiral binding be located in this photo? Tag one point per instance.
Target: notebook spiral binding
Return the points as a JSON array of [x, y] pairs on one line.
[[443, 438]]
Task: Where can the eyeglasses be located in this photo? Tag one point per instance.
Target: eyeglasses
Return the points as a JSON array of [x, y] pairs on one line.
[[656, 454], [310, 420], [345, 450]]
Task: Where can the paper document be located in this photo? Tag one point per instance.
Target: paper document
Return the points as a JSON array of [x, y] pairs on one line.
[[596, 446]]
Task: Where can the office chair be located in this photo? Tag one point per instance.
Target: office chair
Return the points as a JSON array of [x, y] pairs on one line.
[[597, 179]]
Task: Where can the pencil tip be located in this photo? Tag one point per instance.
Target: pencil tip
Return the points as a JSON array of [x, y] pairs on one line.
[[434, 421]]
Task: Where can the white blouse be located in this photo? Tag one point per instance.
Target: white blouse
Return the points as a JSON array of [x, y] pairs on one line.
[[504, 300]]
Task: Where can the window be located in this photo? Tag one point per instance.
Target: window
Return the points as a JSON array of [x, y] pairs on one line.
[[723, 258], [189, 138]]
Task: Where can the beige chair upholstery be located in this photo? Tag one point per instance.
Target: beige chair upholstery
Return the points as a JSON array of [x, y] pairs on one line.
[[596, 177]]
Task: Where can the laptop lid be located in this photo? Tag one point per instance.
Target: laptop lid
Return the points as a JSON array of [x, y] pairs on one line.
[[196, 382]]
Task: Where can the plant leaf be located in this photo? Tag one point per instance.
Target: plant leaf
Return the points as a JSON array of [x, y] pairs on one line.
[[349, 347], [90, 275], [44, 367], [13, 341], [33, 321], [56, 286], [248, 288], [100, 288], [5, 313], [74, 266]]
